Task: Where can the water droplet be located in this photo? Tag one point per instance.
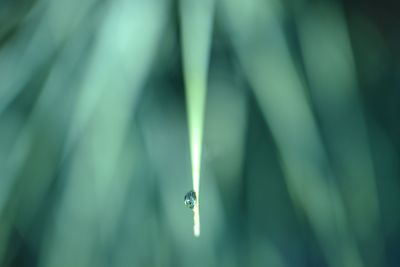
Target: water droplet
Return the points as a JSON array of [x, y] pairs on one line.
[[190, 199]]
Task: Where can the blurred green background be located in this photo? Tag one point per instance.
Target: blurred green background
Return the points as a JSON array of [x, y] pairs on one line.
[[296, 104]]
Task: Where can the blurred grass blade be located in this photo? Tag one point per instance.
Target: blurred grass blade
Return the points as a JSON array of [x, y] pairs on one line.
[[263, 51], [331, 71]]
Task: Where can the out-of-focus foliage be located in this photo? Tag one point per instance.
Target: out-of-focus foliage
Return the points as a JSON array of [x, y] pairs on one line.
[[299, 129]]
